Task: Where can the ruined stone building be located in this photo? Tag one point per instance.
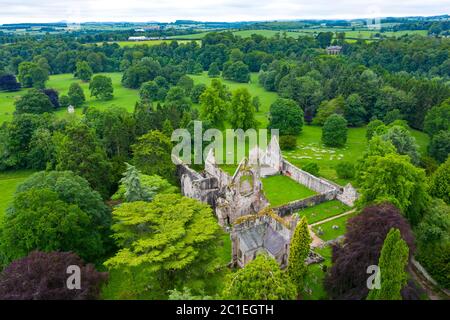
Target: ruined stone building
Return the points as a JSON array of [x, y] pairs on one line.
[[241, 207]]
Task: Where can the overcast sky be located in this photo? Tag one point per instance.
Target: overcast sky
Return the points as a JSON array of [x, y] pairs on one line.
[[12, 11]]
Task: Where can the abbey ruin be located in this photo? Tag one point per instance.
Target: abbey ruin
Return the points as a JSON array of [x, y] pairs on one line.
[[242, 208]]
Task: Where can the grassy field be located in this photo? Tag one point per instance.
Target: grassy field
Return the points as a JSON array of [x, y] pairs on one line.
[[148, 42], [311, 149], [123, 97], [349, 33], [315, 275], [281, 190], [323, 211], [8, 184], [326, 232]]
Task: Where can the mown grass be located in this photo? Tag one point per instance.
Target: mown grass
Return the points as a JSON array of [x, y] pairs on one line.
[[326, 232], [349, 33], [148, 42], [311, 149], [8, 184], [323, 211], [281, 190], [123, 97], [316, 274]]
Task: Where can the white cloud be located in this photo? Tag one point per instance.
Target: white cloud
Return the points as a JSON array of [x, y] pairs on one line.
[[214, 10]]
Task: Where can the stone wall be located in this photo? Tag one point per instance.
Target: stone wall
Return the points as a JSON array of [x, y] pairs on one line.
[[305, 178], [196, 186], [348, 195], [296, 205]]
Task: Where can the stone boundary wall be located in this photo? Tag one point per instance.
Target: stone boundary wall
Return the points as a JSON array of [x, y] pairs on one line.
[[296, 205], [305, 178]]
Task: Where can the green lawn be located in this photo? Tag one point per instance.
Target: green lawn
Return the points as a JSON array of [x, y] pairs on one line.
[[328, 233], [147, 42], [349, 33], [311, 149], [281, 190], [315, 275], [123, 97], [8, 184], [323, 211]]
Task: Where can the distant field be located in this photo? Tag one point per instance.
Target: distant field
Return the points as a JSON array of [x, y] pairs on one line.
[[292, 190], [123, 97], [148, 42], [349, 33], [8, 184]]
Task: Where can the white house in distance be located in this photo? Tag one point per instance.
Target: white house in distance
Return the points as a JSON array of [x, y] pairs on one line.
[[139, 38], [71, 109]]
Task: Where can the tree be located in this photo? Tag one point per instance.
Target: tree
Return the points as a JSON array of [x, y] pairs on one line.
[[101, 87], [197, 91], [149, 91], [43, 276], [8, 82], [133, 188], [288, 142], [213, 70], [354, 111], [176, 97], [393, 178], [324, 39], [237, 71], [392, 264], [261, 279], [256, 103], [34, 101], [76, 95], [440, 182], [186, 83], [439, 147], [151, 185], [372, 128], [334, 131], [73, 190], [42, 150], [312, 168], [164, 242], [64, 101], [77, 149], [152, 155], [402, 140], [115, 128], [347, 277], [437, 119], [52, 94], [145, 70], [327, 108], [345, 170], [32, 75], [299, 251], [286, 116], [433, 238], [39, 220], [242, 112], [83, 71], [213, 107]]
